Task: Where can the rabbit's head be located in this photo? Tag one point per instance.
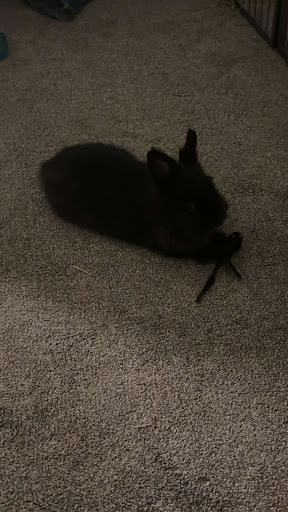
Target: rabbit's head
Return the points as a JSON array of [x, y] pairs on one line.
[[193, 205]]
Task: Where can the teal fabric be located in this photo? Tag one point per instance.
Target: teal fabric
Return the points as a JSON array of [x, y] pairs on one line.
[[3, 46], [62, 10]]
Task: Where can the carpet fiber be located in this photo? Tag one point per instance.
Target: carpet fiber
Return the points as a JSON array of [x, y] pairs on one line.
[[119, 393]]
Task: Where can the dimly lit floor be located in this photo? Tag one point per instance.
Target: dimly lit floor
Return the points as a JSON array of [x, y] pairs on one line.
[[120, 393]]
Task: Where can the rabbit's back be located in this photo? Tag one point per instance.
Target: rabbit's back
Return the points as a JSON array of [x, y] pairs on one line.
[[101, 187]]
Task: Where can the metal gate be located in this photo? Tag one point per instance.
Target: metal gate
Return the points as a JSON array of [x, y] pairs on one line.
[[270, 19]]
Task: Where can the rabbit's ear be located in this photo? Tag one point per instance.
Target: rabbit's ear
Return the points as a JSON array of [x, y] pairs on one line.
[[191, 140], [188, 152], [160, 164]]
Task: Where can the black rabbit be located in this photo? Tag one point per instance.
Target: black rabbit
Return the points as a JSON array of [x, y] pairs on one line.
[[168, 206]]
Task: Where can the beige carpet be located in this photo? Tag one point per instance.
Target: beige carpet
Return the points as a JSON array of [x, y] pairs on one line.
[[119, 393]]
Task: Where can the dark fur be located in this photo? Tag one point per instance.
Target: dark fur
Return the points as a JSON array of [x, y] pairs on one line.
[[172, 207]]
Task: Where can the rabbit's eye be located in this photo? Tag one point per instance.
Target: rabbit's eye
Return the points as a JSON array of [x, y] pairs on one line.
[[190, 208]]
